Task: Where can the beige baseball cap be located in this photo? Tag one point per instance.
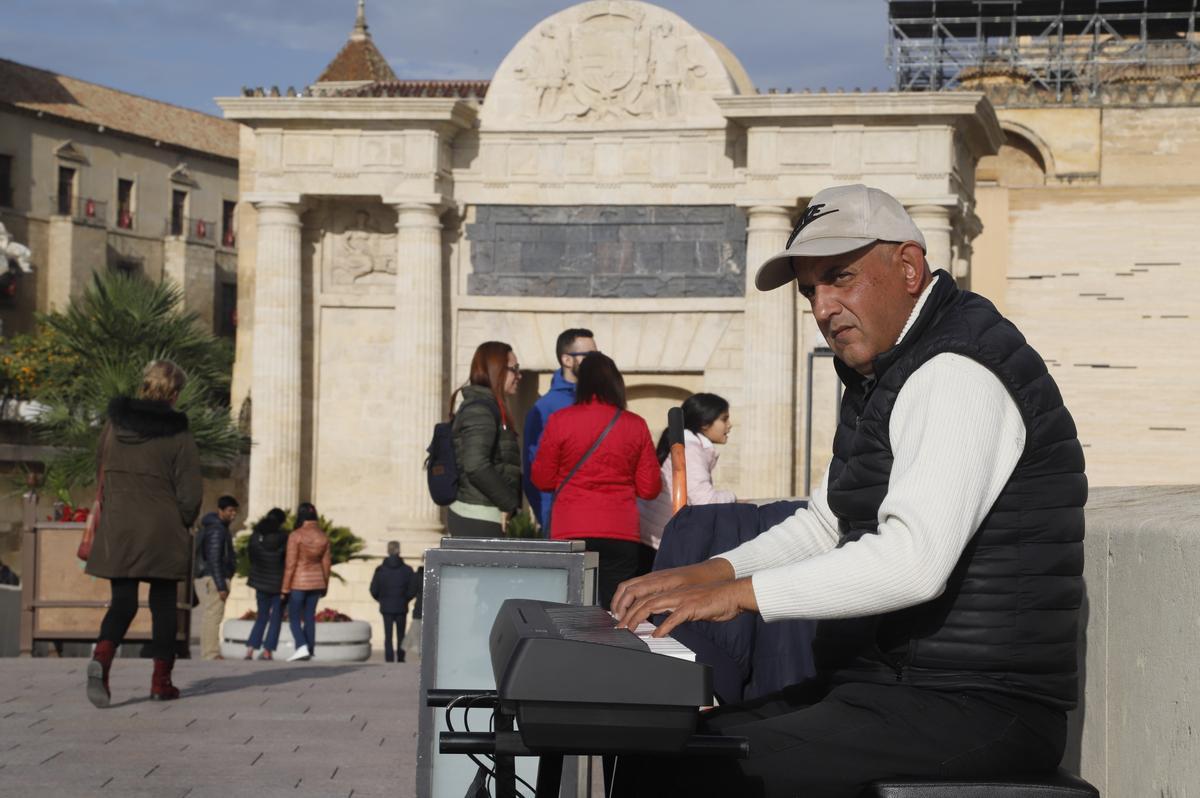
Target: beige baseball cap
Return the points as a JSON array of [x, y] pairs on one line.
[[839, 219]]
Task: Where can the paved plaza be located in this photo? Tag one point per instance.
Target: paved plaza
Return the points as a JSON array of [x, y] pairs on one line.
[[258, 729]]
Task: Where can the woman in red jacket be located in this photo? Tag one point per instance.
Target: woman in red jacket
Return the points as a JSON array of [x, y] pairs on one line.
[[598, 503]]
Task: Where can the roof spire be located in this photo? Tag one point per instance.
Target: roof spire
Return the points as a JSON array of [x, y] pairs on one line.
[[360, 23]]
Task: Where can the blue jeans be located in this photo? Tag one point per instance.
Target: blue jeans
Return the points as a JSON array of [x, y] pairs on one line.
[[302, 604], [269, 610]]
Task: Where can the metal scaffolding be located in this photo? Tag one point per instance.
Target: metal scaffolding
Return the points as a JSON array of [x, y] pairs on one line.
[[1075, 46]]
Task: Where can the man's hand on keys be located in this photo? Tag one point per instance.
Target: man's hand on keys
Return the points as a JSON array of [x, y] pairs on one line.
[[633, 590], [714, 601], [705, 591]]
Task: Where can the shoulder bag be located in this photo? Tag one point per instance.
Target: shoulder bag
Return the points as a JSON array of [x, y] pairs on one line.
[[582, 460]]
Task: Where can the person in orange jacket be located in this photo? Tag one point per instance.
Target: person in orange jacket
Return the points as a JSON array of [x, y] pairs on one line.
[[306, 578]]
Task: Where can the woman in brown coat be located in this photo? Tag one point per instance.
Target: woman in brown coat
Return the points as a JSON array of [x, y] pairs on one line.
[[151, 489], [305, 577]]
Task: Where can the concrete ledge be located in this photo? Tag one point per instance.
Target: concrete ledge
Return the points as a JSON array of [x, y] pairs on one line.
[[1137, 730]]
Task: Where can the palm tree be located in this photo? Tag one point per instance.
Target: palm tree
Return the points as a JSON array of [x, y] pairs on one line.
[[116, 327]]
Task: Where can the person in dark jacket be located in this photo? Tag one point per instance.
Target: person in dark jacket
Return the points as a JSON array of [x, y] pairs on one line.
[[598, 504], [941, 555], [393, 586], [267, 549], [215, 565], [485, 446], [412, 639], [149, 471]]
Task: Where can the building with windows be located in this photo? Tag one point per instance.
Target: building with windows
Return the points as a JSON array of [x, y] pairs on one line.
[[94, 178]]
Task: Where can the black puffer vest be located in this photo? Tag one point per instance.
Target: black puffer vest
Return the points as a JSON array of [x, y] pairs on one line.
[[1008, 618]]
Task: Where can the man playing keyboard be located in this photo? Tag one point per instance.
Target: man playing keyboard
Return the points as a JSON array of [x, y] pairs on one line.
[[942, 553]]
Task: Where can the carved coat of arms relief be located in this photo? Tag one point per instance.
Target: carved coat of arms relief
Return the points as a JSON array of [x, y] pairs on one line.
[[613, 64]]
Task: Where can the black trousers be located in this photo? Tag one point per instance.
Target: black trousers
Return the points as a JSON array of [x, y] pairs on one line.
[[806, 744], [459, 527], [619, 560], [393, 621], [164, 620]]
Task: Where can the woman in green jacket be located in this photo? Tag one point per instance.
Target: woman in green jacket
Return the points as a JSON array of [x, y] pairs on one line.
[[485, 446], [151, 491]]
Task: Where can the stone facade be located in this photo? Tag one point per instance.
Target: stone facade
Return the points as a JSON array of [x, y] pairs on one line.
[[621, 174]]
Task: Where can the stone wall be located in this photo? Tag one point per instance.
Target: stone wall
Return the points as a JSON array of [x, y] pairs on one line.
[[1087, 247], [1135, 731]]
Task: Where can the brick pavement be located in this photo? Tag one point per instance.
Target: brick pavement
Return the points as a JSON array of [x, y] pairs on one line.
[[261, 729]]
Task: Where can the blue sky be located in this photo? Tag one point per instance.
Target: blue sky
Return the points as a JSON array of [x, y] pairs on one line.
[[189, 51]]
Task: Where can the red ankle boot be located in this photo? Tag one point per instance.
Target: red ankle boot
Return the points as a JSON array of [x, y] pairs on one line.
[[97, 673], [161, 688]]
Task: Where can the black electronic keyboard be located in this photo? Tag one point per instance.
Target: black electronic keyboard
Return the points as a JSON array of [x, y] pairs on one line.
[[574, 682]]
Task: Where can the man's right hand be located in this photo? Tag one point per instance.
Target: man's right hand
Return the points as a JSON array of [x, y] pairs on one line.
[[633, 590]]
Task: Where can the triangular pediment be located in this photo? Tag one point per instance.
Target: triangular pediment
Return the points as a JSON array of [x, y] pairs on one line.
[[180, 174], [67, 151]]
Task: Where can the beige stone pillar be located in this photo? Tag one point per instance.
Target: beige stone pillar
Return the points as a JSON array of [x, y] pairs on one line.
[[766, 420], [275, 389], [934, 221], [418, 371]]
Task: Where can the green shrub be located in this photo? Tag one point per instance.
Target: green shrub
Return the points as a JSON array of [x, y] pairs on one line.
[[96, 350], [521, 526]]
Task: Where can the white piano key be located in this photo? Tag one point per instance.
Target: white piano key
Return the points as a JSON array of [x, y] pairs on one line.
[[667, 646]]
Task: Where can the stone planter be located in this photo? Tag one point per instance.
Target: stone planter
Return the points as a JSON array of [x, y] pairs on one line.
[[336, 642]]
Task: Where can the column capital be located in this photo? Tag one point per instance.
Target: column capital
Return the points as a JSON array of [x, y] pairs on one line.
[[930, 210], [417, 214], [269, 198], [769, 217]]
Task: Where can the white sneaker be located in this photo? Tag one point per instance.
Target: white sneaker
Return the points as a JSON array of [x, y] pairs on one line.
[[301, 654]]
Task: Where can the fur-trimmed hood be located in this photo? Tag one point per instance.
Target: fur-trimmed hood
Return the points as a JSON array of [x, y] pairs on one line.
[[137, 420]]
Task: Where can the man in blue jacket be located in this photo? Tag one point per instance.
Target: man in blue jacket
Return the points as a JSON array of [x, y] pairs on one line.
[[570, 348], [215, 566]]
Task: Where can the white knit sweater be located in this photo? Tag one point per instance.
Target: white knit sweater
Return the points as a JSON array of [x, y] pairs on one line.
[[956, 436]]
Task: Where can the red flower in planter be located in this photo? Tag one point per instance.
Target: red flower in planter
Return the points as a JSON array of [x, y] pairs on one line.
[[330, 615]]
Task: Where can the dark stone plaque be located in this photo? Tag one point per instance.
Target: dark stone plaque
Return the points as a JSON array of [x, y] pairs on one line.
[[607, 251]]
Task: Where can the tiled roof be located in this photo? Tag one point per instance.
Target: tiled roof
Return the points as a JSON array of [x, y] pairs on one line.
[[79, 101], [466, 89], [359, 59]]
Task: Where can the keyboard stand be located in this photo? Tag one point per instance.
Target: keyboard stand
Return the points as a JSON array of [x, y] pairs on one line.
[[505, 744]]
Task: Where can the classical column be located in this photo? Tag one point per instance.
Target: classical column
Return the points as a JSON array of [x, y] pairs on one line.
[[934, 222], [275, 367], [767, 416], [418, 336]]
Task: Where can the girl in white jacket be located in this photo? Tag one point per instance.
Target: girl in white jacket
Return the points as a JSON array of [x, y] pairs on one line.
[[705, 422]]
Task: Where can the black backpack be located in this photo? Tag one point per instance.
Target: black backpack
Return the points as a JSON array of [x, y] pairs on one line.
[[441, 466]]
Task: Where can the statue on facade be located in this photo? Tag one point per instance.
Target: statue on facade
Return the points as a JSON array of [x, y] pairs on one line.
[[547, 72], [14, 252], [668, 54]]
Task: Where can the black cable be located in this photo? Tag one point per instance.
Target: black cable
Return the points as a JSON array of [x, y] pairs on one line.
[[490, 772], [492, 727]]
